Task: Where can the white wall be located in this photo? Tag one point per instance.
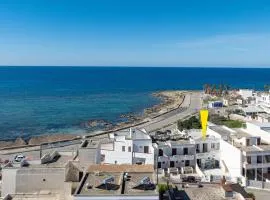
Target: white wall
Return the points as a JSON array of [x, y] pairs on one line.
[[8, 181], [119, 157], [255, 130], [232, 157], [245, 93], [125, 157], [139, 146]]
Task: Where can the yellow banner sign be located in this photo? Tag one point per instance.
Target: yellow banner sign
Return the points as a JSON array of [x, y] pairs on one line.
[[204, 120]]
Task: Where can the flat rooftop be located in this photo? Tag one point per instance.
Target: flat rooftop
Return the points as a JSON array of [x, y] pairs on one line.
[[208, 191], [259, 148], [261, 125], [264, 115], [133, 133], [93, 185], [93, 182], [240, 133], [221, 130], [90, 144], [133, 186], [252, 109]]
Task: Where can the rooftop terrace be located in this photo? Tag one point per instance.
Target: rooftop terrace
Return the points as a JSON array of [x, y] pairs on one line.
[[95, 181]]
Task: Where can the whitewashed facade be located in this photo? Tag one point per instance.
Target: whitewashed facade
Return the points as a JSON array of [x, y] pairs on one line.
[[128, 147], [263, 100], [243, 155], [190, 152], [245, 93]]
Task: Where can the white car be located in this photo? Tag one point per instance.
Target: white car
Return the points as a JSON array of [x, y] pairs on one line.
[[19, 158]]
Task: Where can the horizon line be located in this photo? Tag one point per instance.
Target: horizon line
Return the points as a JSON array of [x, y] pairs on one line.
[[139, 66]]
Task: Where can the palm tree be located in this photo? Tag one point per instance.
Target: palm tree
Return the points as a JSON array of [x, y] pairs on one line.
[[227, 88], [266, 87], [220, 89], [205, 86], [213, 90]]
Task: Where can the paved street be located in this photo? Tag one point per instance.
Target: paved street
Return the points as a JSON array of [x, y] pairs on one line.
[[191, 104]]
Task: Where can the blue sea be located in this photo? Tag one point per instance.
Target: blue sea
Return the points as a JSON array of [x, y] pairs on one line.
[[51, 100]]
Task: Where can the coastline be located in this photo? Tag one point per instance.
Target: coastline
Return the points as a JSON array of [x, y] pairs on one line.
[[169, 100]]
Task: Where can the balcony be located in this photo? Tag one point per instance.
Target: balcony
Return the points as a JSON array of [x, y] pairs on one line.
[[176, 157], [256, 165], [182, 157]]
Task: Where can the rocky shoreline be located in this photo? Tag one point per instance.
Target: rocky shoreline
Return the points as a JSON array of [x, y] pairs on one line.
[[169, 100]]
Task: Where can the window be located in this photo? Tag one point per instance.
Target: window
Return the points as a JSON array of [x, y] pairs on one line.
[[123, 148], [187, 163], [174, 151], [217, 146], [248, 159], [267, 158], [159, 164], [197, 148], [185, 151], [171, 163], [247, 141], [259, 159], [146, 149], [212, 145], [129, 149]]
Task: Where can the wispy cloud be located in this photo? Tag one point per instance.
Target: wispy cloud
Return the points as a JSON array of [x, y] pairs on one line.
[[237, 42]]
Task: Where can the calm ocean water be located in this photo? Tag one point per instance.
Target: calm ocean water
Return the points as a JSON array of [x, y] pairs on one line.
[[48, 100]]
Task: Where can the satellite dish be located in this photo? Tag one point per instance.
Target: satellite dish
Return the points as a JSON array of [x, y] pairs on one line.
[[145, 180], [108, 180]]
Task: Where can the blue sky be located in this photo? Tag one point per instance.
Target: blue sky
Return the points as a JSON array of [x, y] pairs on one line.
[[135, 33]]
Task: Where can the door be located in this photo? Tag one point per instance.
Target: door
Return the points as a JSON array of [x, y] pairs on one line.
[[160, 152]]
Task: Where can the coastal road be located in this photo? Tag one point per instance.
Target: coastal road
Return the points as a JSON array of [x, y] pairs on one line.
[[191, 105]]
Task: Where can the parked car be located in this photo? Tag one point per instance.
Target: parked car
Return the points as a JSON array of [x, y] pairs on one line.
[[189, 179], [19, 158]]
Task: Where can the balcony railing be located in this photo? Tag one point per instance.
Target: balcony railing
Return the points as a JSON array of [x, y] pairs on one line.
[[182, 157], [256, 165]]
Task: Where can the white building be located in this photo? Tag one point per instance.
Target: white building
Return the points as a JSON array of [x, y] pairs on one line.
[[132, 146], [52, 180], [259, 129], [252, 110], [207, 150], [245, 93], [243, 156], [263, 100], [176, 154], [189, 151], [263, 117]]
